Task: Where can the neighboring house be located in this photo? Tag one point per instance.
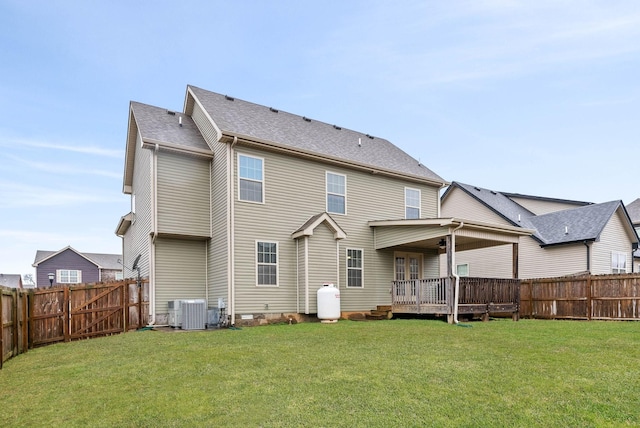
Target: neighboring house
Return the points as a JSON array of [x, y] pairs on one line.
[[570, 237], [10, 280], [70, 266], [253, 209], [634, 213]]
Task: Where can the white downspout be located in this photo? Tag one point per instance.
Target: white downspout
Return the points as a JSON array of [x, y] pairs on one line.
[[154, 235], [306, 274], [454, 273]]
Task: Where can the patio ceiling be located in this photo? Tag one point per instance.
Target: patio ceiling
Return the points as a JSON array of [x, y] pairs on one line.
[[428, 233]]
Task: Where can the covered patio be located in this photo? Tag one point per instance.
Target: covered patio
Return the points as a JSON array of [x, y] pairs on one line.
[[451, 294]]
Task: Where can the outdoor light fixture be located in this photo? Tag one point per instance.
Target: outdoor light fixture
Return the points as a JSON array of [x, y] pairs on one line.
[[51, 276]]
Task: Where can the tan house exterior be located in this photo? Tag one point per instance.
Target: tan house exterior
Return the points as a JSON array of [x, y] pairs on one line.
[[571, 237], [255, 209]]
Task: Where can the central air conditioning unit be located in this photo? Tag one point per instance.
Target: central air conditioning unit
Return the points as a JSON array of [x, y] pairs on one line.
[[188, 314], [194, 314], [175, 313]]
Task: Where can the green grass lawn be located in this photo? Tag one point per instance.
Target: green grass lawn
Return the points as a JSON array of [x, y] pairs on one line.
[[395, 373]]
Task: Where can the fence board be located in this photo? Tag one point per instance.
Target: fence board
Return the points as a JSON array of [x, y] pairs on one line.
[[32, 318], [602, 297]]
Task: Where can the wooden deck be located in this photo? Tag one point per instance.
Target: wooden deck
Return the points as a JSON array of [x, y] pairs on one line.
[[477, 296]]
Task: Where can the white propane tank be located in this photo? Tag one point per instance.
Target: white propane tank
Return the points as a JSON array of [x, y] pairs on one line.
[[328, 303]]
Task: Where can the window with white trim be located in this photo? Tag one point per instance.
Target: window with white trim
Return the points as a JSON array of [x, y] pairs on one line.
[[411, 203], [266, 263], [336, 193], [618, 262], [67, 276], [354, 267], [251, 178], [462, 269]]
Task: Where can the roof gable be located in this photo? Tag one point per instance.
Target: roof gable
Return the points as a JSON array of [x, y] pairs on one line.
[[102, 261], [277, 128], [633, 209], [584, 223], [309, 226], [578, 224]]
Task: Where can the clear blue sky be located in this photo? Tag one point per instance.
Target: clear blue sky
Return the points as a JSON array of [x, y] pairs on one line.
[[533, 97]]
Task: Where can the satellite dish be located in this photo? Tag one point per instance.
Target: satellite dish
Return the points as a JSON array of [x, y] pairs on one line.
[[135, 262]]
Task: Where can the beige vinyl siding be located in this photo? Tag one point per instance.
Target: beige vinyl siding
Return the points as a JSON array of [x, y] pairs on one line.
[[136, 240], [323, 259], [180, 271], [218, 249], [206, 128], [294, 192], [614, 238], [492, 262], [459, 204], [183, 195], [538, 262], [539, 207]]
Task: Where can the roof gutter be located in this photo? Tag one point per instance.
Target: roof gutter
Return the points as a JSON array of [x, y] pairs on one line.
[[270, 145]]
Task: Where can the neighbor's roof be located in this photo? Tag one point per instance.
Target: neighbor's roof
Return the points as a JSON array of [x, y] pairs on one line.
[[634, 211], [264, 124], [10, 280], [584, 223], [577, 224], [103, 261]]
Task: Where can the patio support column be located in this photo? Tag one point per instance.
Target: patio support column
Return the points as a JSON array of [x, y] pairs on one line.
[[515, 260], [449, 257], [450, 289]]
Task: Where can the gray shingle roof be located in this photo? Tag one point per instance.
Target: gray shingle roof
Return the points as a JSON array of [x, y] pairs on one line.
[[242, 118], [105, 261], [634, 211], [155, 123], [582, 223], [10, 280]]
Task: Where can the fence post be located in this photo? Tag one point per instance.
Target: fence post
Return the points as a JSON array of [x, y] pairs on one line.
[[1, 327], [66, 315], [589, 299], [14, 321]]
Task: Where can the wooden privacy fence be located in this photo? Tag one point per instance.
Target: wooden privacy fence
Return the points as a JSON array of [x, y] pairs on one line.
[[588, 297], [32, 318]]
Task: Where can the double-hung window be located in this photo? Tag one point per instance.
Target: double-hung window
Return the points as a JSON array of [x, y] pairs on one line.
[[267, 263], [251, 178], [618, 262], [336, 193], [354, 267], [411, 203], [67, 276]]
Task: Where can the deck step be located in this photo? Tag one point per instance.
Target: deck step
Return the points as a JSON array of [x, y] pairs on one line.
[[375, 317], [380, 314], [384, 308]]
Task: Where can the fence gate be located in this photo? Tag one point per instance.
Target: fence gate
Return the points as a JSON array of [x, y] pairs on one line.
[[96, 310]]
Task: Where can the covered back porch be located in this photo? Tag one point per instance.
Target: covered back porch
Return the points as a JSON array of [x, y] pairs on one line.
[[449, 294]]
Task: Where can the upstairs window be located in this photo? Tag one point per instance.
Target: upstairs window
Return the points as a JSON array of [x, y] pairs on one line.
[[65, 276], [411, 203], [336, 193], [618, 262], [251, 177], [267, 263], [354, 268]]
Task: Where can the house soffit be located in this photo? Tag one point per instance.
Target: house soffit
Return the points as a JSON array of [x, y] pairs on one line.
[[430, 233]]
